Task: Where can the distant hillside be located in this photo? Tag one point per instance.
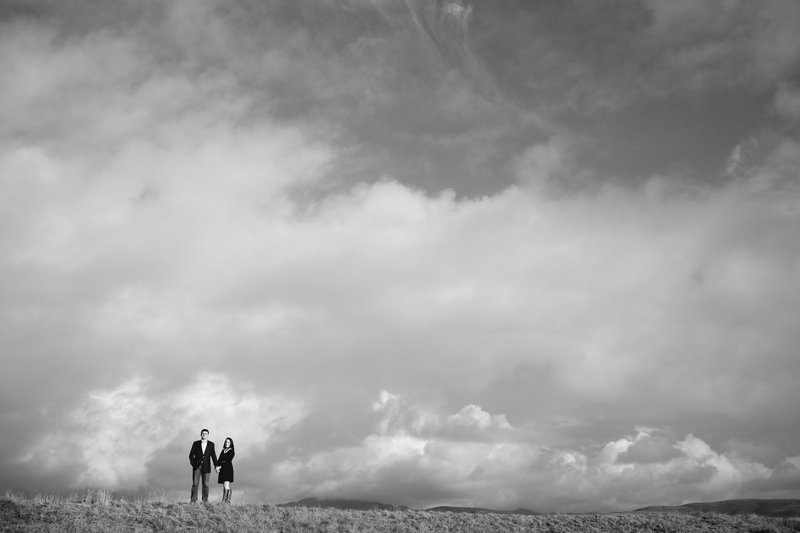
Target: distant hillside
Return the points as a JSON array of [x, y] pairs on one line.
[[360, 505], [345, 504], [478, 510], [779, 508]]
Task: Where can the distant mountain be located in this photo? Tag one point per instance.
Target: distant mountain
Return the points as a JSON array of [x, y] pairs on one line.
[[345, 504], [479, 510], [781, 508], [361, 505]]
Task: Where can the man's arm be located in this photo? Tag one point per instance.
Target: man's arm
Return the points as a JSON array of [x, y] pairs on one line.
[[214, 455], [191, 455]]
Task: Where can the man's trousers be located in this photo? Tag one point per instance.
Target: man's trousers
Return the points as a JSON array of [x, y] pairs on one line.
[[197, 476]]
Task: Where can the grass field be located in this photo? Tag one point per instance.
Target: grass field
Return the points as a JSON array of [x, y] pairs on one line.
[[101, 512]]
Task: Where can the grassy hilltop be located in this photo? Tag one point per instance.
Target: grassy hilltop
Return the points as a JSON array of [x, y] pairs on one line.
[[99, 512]]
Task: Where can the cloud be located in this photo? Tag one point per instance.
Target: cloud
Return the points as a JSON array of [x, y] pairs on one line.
[[385, 285], [133, 436], [470, 423], [438, 31], [546, 310], [763, 38], [592, 60], [124, 438], [211, 234], [649, 449], [726, 42], [787, 102], [510, 471]]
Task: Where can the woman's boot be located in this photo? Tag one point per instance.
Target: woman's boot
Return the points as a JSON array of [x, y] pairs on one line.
[[230, 492]]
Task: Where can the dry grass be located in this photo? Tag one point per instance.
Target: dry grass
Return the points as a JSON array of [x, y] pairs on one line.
[[100, 511]]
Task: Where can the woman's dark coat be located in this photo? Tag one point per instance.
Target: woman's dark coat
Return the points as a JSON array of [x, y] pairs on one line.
[[226, 462]]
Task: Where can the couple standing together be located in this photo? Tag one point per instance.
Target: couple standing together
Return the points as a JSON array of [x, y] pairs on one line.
[[201, 455]]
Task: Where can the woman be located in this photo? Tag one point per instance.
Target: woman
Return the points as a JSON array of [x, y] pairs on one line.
[[225, 462]]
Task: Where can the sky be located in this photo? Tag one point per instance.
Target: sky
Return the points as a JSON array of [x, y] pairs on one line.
[[496, 253]]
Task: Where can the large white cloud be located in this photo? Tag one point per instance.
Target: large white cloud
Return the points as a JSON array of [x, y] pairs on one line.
[[138, 435], [635, 307], [133, 436]]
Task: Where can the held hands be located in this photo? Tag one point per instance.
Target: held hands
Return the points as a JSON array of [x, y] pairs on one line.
[[217, 469]]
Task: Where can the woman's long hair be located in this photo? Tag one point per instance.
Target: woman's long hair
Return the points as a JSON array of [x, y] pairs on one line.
[[228, 439]]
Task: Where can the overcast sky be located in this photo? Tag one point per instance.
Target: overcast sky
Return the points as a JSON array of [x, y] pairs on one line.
[[505, 253]]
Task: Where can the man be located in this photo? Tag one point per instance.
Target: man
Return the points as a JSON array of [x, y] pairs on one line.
[[200, 457]]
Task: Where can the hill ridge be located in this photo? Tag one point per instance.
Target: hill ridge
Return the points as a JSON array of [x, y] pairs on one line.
[[351, 503], [480, 510], [344, 503], [763, 507]]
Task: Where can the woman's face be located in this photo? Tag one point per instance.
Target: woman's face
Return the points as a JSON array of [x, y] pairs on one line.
[[227, 443]]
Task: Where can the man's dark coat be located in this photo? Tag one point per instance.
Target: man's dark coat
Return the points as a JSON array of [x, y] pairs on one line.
[[197, 458]]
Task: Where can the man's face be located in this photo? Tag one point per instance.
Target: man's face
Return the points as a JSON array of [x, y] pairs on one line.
[[204, 435]]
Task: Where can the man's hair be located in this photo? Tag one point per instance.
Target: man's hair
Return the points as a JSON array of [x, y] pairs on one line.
[[204, 429]]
